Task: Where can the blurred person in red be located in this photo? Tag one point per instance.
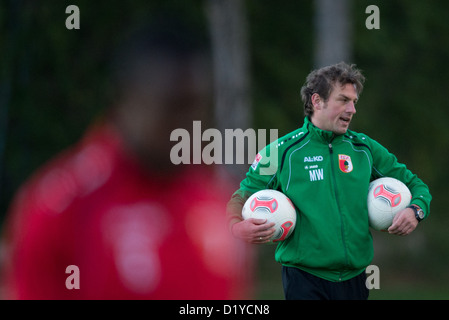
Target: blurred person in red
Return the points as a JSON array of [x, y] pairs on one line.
[[134, 225]]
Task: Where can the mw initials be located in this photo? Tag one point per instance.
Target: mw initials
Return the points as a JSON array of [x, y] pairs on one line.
[[316, 175]]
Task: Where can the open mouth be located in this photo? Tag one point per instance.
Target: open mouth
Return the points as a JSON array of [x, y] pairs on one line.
[[345, 120]]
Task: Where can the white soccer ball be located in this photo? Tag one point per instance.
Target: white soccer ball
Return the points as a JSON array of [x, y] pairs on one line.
[[386, 197], [275, 207]]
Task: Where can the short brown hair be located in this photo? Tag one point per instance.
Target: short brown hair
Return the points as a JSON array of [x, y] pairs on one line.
[[323, 80]]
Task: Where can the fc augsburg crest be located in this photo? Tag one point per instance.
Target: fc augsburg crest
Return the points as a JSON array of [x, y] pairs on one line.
[[345, 163]]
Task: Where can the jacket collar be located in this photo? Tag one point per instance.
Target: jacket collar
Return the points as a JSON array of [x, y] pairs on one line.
[[322, 135]]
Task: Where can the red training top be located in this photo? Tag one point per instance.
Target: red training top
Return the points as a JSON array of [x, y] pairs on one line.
[[93, 219]]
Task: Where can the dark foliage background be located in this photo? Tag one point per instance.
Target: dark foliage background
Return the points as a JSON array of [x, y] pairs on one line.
[[54, 82]]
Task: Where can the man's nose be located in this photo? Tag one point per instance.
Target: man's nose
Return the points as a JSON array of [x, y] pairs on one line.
[[350, 107]]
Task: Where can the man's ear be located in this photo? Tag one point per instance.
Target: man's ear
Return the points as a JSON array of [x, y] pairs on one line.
[[317, 101]]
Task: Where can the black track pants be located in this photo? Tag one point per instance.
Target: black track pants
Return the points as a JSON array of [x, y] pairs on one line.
[[300, 285]]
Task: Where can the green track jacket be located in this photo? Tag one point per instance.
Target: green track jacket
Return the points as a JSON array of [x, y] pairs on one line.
[[327, 177]]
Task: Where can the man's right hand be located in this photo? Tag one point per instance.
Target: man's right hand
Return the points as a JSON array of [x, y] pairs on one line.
[[254, 230]]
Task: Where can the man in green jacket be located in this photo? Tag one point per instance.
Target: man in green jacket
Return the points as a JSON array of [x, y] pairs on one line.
[[325, 169]]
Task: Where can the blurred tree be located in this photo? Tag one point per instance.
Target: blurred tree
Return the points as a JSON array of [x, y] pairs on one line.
[[333, 32], [232, 107]]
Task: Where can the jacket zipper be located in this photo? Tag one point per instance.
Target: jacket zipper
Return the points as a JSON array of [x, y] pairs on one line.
[[342, 229]]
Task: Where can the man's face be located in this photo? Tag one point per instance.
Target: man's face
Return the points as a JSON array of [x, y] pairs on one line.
[[336, 113]]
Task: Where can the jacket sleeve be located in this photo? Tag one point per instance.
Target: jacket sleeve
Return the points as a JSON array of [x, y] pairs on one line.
[[385, 164], [261, 175]]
